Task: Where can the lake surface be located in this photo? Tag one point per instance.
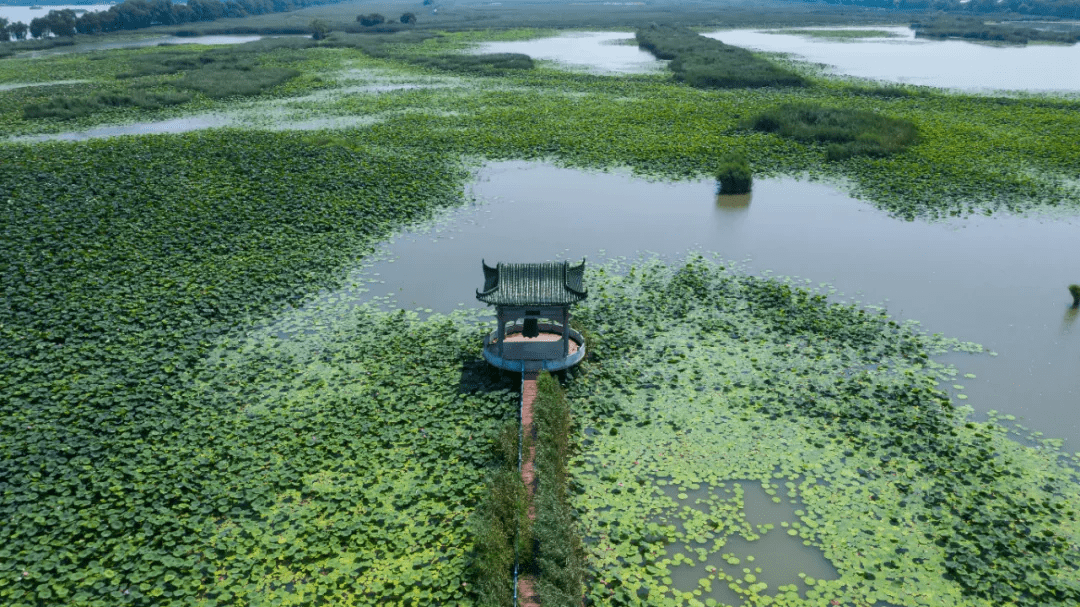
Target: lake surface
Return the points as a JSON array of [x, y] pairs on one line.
[[26, 13], [999, 281], [951, 64], [603, 52]]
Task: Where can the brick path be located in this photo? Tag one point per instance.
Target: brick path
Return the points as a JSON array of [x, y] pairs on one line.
[[526, 583]]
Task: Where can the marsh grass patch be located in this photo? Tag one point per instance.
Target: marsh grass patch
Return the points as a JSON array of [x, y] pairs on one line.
[[846, 132]]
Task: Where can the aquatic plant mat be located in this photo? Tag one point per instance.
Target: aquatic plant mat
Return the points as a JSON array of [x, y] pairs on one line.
[[845, 132], [710, 385], [181, 424], [974, 154]]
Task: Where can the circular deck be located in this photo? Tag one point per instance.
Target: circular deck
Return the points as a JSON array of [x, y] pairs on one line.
[[540, 353]]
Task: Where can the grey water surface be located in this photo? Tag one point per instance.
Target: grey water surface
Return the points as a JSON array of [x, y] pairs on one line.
[[604, 52], [999, 281], [949, 64]]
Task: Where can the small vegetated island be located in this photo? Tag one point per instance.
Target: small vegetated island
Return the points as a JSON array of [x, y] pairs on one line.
[[184, 421]]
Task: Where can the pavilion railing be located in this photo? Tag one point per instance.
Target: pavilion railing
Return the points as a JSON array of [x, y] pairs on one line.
[[534, 349]]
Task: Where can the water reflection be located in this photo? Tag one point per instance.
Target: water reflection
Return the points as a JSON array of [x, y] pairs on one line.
[[734, 204], [1070, 317]]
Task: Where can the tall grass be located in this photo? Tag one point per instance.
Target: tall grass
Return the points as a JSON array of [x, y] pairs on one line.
[[492, 63], [218, 83], [560, 556], [976, 28], [846, 132], [706, 63], [734, 174], [501, 525], [67, 108]]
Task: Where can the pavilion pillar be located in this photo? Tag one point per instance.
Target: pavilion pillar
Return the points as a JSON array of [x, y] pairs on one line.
[[502, 329], [566, 332]]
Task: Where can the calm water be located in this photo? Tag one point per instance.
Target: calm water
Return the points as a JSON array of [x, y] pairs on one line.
[[26, 14], [998, 281], [594, 51], [949, 64]]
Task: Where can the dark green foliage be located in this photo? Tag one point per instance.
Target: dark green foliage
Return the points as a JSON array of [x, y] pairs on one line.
[[734, 174], [22, 44], [591, 339], [218, 73], [706, 63], [975, 28], [1074, 290], [217, 83], [65, 108], [489, 64], [124, 264], [560, 559], [408, 18], [319, 29], [847, 132], [1061, 9], [501, 524], [503, 530], [370, 19]]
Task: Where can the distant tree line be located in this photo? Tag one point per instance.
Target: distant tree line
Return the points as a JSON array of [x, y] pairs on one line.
[[1044, 8], [136, 14]]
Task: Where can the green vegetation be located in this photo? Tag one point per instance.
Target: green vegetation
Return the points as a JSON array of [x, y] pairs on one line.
[[734, 174], [140, 14], [487, 64], [216, 73], [319, 29], [560, 557], [973, 154], [1061, 9], [222, 458], [706, 63], [65, 108], [193, 413], [1074, 290], [371, 19], [838, 34], [710, 377], [502, 527], [847, 132], [974, 28]]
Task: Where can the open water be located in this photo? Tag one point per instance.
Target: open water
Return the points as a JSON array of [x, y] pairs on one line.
[[999, 281]]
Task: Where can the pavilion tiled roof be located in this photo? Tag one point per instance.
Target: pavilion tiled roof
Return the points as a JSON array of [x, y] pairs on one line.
[[533, 284]]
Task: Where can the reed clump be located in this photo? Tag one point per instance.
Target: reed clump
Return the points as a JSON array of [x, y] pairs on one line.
[[560, 559], [492, 63], [734, 175], [706, 63], [847, 132], [501, 525], [67, 108]]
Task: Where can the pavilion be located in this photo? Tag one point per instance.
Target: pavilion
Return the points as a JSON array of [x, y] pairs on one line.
[[532, 305]]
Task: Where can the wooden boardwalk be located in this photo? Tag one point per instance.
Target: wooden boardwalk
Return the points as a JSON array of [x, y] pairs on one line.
[[527, 583]]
